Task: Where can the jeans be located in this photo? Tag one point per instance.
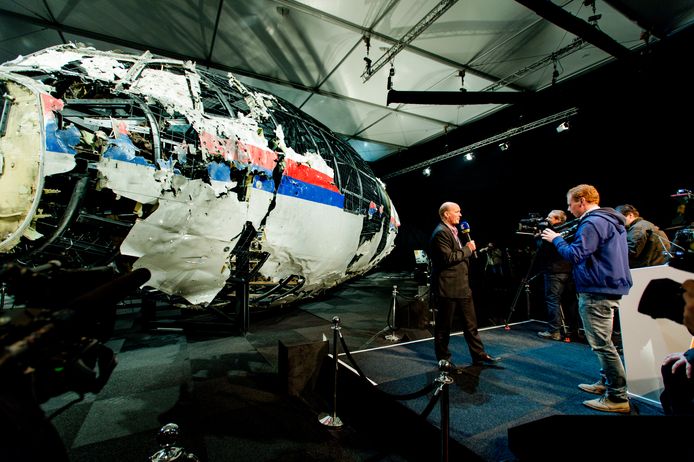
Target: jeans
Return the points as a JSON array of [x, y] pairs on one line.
[[554, 288], [597, 312]]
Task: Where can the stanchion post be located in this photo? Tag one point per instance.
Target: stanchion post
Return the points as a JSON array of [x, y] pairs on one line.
[[328, 419], [167, 439], [392, 337], [444, 379]]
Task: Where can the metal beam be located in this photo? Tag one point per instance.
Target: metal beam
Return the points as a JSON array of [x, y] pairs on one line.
[[456, 98], [412, 34], [567, 21], [563, 115]]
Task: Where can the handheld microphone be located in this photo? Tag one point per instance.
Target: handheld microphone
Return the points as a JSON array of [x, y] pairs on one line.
[[465, 229]]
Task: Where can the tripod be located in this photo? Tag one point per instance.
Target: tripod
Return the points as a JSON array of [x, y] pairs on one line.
[[523, 286]]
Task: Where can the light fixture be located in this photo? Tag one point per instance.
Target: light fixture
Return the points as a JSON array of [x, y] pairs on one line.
[[469, 156], [426, 171], [503, 146], [562, 127]]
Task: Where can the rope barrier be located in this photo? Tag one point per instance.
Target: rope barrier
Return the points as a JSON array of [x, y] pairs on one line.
[[439, 386]]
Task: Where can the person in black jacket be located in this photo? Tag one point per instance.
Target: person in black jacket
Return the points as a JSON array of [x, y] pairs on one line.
[[557, 278], [450, 255], [648, 245]]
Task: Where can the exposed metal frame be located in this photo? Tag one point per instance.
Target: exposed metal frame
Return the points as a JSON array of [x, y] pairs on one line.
[[494, 139]]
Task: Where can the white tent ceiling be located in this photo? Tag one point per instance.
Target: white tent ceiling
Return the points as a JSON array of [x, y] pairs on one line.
[[311, 52]]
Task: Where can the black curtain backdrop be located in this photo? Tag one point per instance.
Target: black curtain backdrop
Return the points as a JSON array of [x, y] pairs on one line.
[[631, 139]]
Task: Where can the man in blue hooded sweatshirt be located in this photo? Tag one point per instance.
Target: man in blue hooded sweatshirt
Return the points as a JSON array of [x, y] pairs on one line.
[[600, 258]]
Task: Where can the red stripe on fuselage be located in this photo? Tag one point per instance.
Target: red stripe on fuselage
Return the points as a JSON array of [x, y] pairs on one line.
[[307, 174]]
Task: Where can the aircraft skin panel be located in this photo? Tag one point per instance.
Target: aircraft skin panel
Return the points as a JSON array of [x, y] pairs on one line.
[[187, 173], [21, 162], [131, 180], [295, 236], [187, 240]]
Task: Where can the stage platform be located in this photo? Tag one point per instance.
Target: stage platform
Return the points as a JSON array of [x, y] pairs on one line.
[[535, 380]]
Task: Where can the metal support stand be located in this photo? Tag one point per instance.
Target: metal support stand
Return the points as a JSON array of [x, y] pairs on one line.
[[327, 419], [562, 326], [392, 337], [524, 285], [444, 379], [169, 452]]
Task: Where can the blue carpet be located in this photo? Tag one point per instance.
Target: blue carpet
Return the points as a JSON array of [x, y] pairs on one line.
[[536, 378]]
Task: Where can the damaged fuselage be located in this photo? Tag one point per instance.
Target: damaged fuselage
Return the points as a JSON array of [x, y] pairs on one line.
[[147, 161]]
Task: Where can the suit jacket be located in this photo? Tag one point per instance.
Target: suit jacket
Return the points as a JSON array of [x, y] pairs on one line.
[[449, 264]]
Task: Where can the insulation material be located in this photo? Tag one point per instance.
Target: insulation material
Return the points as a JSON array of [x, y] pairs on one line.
[[21, 178], [49, 60], [171, 90]]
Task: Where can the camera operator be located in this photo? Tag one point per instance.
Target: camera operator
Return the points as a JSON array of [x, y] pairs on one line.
[[557, 278], [677, 397], [599, 257], [648, 245]]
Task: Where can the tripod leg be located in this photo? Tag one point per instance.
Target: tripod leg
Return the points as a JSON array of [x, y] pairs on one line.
[[562, 322], [524, 285]]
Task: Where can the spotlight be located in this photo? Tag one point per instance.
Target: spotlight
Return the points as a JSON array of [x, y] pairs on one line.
[[562, 127], [503, 146], [426, 171], [469, 156]]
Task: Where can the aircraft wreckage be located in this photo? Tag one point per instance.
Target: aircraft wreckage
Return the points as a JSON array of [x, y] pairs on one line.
[[113, 158]]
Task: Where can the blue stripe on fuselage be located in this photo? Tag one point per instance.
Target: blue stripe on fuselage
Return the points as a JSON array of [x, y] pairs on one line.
[[301, 190]]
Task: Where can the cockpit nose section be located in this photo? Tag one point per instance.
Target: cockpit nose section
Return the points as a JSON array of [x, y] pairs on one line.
[[21, 157]]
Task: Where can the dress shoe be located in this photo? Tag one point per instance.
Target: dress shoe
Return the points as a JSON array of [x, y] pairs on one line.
[[486, 359], [455, 369]]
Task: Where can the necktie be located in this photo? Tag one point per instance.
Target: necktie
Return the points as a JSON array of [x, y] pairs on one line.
[[455, 234]]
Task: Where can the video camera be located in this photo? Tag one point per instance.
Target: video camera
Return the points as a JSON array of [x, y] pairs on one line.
[[662, 298], [682, 250], [534, 224], [56, 335]]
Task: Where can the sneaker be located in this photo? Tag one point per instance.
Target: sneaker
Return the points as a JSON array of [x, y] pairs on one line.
[[597, 388], [550, 335], [605, 404]]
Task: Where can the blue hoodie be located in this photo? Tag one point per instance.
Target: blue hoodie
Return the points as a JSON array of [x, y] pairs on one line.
[[599, 253]]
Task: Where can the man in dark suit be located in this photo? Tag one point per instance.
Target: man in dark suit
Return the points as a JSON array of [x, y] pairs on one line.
[[450, 287]]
